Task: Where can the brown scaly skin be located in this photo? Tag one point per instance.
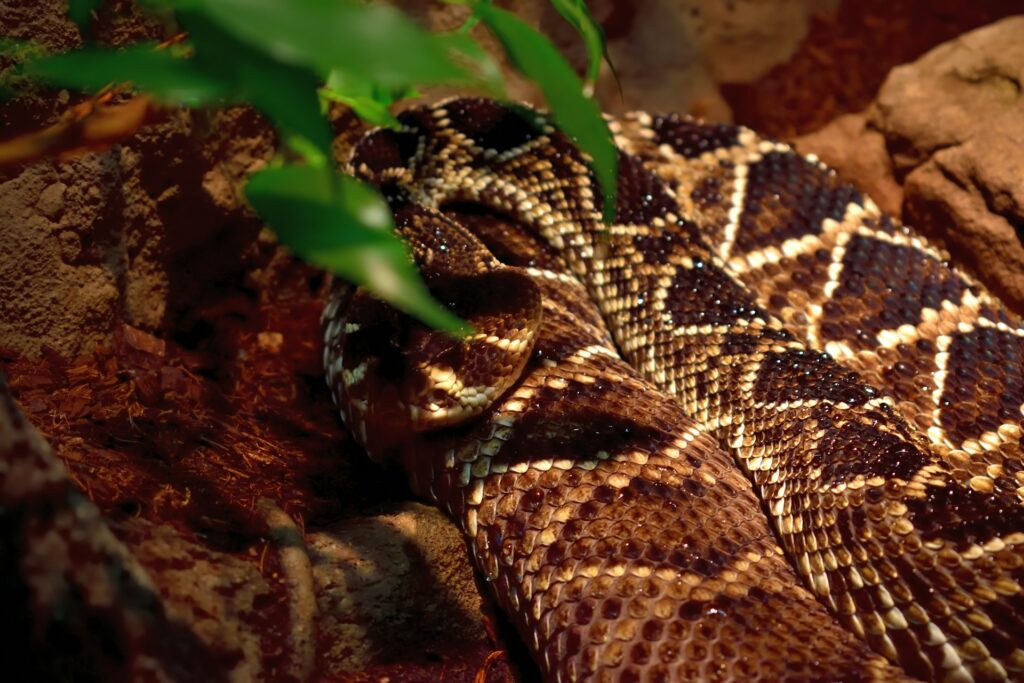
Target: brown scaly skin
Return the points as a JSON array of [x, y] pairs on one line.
[[848, 280], [926, 569], [622, 541]]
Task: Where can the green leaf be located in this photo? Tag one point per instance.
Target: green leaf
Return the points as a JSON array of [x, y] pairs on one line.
[[352, 85], [286, 94], [376, 41], [367, 108], [368, 102], [343, 225], [478, 61], [577, 115], [158, 72], [577, 14], [80, 12], [310, 152]]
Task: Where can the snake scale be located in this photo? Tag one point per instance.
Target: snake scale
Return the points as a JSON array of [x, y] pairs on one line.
[[753, 429]]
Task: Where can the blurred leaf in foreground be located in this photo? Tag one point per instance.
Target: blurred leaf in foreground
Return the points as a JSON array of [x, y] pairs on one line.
[[376, 42], [342, 224], [80, 12], [158, 72], [286, 94], [466, 51], [368, 102], [13, 79], [577, 14]]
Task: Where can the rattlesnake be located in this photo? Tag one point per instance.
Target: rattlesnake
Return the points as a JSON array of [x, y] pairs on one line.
[[622, 540]]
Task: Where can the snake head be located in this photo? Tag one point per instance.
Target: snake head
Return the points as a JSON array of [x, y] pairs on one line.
[[394, 378]]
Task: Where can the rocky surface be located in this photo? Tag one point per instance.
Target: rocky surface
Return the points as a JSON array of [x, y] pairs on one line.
[[670, 55], [849, 54], [392, 588], [954, 124], [124, 234], [949, 128]]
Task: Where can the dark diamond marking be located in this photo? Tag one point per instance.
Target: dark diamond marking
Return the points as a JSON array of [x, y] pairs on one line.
[[705, 295], [984, 384], [789, 197], [883, 286], [691, 138], [855, 448], [799, 374], [642, 196], [492, 125]]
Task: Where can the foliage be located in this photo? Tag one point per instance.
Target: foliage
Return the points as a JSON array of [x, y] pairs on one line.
[[80, 12], [288, 58], [577, 14]]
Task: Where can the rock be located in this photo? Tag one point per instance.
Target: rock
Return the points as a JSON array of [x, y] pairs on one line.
[[670, 55], [51, 200], [953, 123], [970, 197], [857, 151], [656, 48], [391, 587], [52, 292], [129, 234]]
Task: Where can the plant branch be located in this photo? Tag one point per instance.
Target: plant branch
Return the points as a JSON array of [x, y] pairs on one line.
[[86, 127]]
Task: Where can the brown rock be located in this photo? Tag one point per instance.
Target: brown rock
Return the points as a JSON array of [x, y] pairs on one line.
[[670, 55], [391, 587], [953, 122], [970, 196], [128, 234], [857, 151], [52, 292]]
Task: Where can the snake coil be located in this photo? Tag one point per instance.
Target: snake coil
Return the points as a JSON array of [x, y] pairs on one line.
[[754, 429]]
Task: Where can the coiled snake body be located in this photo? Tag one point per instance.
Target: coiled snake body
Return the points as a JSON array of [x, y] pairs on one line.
[[630, 535]]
